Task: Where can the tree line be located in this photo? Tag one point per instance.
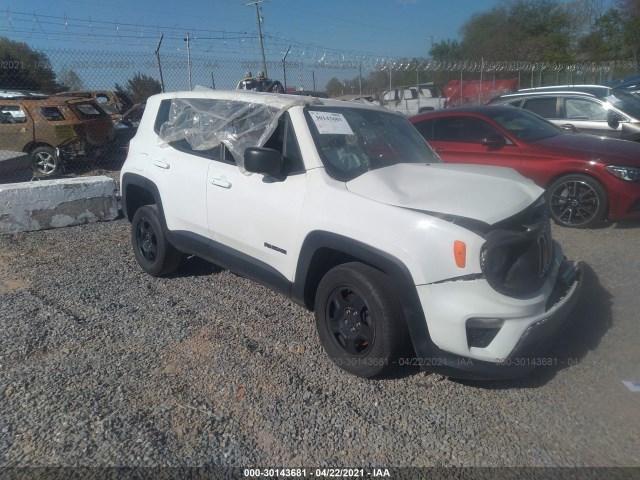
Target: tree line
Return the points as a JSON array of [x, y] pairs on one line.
[[524, 30], [548, 30]]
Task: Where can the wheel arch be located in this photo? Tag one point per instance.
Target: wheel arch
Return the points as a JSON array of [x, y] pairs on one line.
[[138, 191], [321, 251], [31, 146], [585, 173]]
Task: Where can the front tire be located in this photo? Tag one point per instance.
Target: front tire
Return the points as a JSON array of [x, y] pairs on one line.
[[44, 161], [151, 248], [359, 319], [577, 201]]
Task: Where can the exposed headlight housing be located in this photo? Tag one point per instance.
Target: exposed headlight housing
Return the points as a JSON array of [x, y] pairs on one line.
[[516, 263], [629, 174]]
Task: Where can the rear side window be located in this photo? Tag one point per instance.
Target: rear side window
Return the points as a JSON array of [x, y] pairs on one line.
[[163, 115], [12, 114], [216, 153], [53, 114], [220, 153], [545, 107], [462, 129], [583, 109]]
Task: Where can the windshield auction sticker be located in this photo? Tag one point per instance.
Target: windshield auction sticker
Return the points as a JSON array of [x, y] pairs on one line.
[[331, 123]]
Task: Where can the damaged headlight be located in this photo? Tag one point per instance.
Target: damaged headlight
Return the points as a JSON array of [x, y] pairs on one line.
[[516, 263]]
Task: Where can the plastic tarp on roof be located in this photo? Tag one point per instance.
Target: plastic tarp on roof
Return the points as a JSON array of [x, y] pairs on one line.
[[208, 122]]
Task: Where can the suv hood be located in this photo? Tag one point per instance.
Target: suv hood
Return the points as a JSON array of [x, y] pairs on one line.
[[484, 193]]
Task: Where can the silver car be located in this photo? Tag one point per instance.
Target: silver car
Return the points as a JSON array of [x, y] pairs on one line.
[[592, 109]]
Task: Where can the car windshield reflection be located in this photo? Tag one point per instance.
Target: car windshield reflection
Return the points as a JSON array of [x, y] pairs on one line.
[[523, 125], [353, 141]]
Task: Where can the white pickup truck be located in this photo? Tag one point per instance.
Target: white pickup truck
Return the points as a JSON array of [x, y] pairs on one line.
[[413, 99], [344, 208]]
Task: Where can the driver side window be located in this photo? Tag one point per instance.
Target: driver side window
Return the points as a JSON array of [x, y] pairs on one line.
[[582, 109], [284, 140], [462, 129]]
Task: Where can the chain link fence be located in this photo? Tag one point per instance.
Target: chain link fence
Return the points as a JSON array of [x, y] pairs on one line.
[[46, 135]]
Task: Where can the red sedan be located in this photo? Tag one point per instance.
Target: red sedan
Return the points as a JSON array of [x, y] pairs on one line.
[[587, 178]]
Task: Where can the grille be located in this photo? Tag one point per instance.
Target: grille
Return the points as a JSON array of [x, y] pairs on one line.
[[545, 246]]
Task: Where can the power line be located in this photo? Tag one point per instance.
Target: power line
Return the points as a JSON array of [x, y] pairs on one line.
[[65, 28]]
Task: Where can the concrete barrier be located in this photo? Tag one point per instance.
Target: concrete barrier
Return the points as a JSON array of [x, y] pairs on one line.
[[14, 164], [56, 203]]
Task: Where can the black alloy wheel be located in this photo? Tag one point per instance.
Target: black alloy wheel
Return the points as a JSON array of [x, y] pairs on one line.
[[577, 201]]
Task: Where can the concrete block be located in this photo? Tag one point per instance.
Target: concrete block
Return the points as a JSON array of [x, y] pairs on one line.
[[56, 203], [12, 162]]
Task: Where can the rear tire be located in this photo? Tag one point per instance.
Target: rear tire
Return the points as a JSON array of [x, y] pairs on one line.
[[359, 320], [151, 248], [44, 161]]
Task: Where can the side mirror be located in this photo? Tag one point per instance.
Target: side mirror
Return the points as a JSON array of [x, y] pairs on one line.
[[266, 161], [613, 119], [494, 142]]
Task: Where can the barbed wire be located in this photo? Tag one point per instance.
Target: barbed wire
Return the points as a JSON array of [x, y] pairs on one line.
[[31, 26], [502, 66]]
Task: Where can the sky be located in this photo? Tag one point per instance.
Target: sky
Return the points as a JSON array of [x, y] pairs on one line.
[[329, 29]]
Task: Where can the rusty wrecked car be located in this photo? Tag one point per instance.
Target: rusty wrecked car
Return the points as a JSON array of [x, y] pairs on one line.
[[53, 130]]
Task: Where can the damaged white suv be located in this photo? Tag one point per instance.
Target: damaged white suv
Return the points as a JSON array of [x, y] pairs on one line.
[[344, 208]]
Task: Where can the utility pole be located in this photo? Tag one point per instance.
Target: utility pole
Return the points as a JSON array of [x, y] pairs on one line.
[[284, 68], [158, 59], [430, 37], [189, 60], [259, 18]]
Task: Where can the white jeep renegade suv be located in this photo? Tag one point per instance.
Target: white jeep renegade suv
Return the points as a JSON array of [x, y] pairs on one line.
[[344, 208]]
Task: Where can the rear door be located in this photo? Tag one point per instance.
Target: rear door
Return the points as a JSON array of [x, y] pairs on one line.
[[180, 173]]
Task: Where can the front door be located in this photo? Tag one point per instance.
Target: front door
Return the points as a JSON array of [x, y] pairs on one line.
[[256, 215]]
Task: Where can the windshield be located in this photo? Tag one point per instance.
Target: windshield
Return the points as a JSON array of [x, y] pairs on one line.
[[522, 124], [352, 141], [623, 101]]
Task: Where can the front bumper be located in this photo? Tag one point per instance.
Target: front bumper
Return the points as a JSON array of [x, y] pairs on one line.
[[624, 199], [521, 343]]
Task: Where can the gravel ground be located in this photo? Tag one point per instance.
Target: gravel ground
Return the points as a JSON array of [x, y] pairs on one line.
[[103, 365]]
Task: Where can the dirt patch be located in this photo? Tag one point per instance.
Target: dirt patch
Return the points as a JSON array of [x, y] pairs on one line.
[[8, 281]]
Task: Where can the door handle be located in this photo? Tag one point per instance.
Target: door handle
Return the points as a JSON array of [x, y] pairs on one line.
[[220, 182], [438, 150], [161, 164], [570, 127]]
